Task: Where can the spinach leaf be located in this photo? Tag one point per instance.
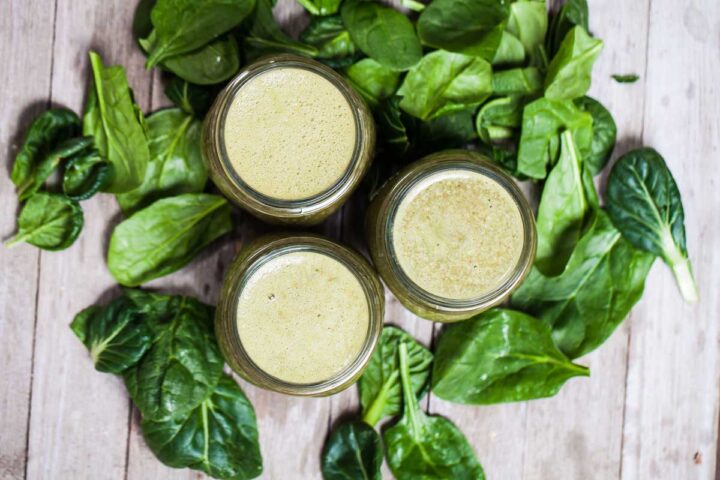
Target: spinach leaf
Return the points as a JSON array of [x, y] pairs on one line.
[[176, 165], [472, 28], [380, 390], [265, 36], [562, 210], [500, 356], [445, 82], [424, 446], [603, 279], [191, 99], [570, 71], [166, 236], [644, 203], [629, 78], [572, 13], [213, 63], [454, 130], [528, 22], [115, 334], [85, 174], [510, 51], [373, 81], [182, 26], [517, 81], [334, 46], [44, 134], [543, 121], [604, 134], [219, 436], [49, 221], [499, 118], [117, 125], [321, 7], [394, 126], [182, 366], [45, 168], [142, 24], [382, 33], [353, 451]]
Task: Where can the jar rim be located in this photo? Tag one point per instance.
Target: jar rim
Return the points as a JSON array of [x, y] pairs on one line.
[[469, 161], [227, 97], [357, 266]]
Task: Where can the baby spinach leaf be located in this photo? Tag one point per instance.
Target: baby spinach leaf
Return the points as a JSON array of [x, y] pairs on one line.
[[562, 210], [517, 81], [629, 78], [44, 134], [49, 221], [117, 125], [191, 99], [182, 26], [334, 46], [380, 389], [543, 121], [182, 366], [373, 81], [570, 71], [210, 64], [604, 134], [265, 36], [176, 165], [85, 174], [644, 203], [499, 118], [219, 436], [353, 452], [115, 334], [424, 446], [321, 7], [500, 356], [166, 236], [472, 28], [445, 82], [528, 22], [601, 282], [382, 33], [510, 51], [572, 13]]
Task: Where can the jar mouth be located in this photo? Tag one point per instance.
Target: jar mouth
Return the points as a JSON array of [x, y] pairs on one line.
[[510, 281], [349, 260], [263, 66]]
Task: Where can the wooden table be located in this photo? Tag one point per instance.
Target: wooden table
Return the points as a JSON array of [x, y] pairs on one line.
[[649, 410]]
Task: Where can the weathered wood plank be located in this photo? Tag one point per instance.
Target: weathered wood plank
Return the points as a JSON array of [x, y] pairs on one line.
[[79, 424], [26, 31], [671, 418]]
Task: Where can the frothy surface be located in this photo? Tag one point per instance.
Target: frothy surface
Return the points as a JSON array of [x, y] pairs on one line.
[[290, 133], [458, 234], [303, 317]]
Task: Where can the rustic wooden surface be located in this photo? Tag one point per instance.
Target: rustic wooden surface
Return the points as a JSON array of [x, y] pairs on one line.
[[649, 410]]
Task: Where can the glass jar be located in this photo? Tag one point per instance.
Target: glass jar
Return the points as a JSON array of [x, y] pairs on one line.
[[271, 198], [437, 242], [299, 314]]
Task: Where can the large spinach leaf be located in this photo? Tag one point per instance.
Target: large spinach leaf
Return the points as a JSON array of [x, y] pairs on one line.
[[166, 236], [604, 134], [528, 22], [182, 366], [182, 26], [117, 125], [382, 33], [44, 134], [353, 452], [332, 40], [116, 335], [500, 356], [424, 446], [380, 389], [543, 121], [265, 36], [472, 28], [644, 203], [563, 207], [213, 63], [445, 82], [603, 279], [572, 13], [176, 164], [570, 71], [49, 221], [85, 174], [373, 81], [219, 436]]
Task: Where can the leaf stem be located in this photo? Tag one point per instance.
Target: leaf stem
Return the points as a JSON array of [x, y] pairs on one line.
[[375, 412], [684, 277]]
